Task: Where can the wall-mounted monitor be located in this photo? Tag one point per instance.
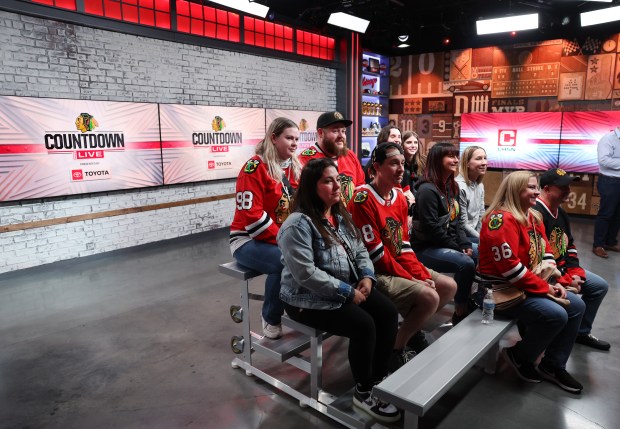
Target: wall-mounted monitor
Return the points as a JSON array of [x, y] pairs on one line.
[[305, 120], [51, 147], [522, 141], [581, 132], [208, 142]]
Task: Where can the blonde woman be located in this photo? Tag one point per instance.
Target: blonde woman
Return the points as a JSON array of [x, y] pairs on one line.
[[265, 187], [512, 245], [472, 168]]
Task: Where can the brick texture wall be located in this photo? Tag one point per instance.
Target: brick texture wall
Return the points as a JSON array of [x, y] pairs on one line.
[[45, 58]]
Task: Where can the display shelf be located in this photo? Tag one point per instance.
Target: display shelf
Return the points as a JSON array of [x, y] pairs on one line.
[[376, 103]]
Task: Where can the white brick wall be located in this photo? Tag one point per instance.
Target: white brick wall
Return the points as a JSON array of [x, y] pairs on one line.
[[45, 58]]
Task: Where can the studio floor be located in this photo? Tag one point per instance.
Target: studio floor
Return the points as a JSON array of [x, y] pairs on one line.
[[139, 338]]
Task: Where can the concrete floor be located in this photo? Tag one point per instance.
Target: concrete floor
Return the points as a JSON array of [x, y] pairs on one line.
[[139, 338]]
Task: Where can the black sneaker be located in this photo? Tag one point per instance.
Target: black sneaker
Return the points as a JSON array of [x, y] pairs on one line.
[[592, 341], [456, 319], [525, 370], [560, 377], [382, 411], [399, 358], [418, 342]]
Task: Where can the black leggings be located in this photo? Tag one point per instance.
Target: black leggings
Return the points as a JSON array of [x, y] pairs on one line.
[[371, 328]]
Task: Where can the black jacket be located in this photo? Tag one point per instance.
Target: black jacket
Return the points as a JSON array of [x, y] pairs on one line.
[[436, 220]]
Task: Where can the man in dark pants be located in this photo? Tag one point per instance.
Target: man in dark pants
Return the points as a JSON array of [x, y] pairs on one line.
[[608, 218], [554, 190]]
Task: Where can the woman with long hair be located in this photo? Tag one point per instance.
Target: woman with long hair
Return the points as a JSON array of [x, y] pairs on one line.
[[388, 134], [472, 168], [379, 210], [265, 186], [513, 246], [415, 162], [328, 282], [438, 238]]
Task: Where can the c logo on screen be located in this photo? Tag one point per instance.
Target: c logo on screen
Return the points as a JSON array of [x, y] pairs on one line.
[[210, 164], [507, 138], [77, 175]]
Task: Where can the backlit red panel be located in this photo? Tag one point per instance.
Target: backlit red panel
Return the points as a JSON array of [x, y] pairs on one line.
[[207, 21], [267, 34], [315, 45], [63, 4], [153, 13]]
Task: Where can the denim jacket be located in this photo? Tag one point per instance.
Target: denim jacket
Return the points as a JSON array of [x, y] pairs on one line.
[[317, 275]]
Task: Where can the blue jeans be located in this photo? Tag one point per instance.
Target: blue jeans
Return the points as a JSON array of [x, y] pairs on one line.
[[265, 258], [593, 290], [446, 260], [549, 328], [607, 224]]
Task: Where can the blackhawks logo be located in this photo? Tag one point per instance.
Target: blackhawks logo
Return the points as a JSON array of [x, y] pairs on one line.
[[86, 122], [360, 197], [218, 124], [393, 233], [284, 208], [496, 221], [454, 210], [558, 242], [309, 152], [346, 188], [537, 249], [251, 166]]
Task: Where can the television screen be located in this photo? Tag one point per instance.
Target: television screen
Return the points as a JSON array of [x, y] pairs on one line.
[[208, 142], [522, 141], [51, 147], [581, 132], [305, 120]]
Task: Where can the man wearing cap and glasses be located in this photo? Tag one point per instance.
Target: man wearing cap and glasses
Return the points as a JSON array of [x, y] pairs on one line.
[[607, 223], [554, 190], [331, 130]]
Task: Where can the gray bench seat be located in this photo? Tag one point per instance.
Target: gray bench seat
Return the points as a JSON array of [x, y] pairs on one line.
[[417, 385]]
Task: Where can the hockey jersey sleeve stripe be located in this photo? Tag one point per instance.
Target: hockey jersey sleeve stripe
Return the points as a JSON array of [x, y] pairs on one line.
[[515, 273], [549, 257], [254, 229], [376, 253]]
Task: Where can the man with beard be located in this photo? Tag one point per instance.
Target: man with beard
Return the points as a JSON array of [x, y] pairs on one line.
[[554, 190], [332, 135]]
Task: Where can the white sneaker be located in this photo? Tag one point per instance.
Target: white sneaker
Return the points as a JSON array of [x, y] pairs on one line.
[[382, 411], [271, 331]]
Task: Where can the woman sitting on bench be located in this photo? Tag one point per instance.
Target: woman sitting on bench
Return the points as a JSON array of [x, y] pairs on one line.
[[512, 247], [265, 186], [379, 210], [328, 282], [437, 235]]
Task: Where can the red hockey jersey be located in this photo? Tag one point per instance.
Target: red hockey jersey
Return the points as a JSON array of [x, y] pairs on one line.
[[385, 232], [562, 244], [262, 204], [349, 169], [509, 251]]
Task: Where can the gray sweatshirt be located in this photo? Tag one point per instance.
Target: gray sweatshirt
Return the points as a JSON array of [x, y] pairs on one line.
[[471, 200]]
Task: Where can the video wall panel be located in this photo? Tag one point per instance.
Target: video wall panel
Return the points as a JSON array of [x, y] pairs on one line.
[[51, 147], [208, 142], [523, 141], [305, 120], [581, 132]]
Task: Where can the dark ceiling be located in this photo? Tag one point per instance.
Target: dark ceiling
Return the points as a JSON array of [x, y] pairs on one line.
[[428, 22]]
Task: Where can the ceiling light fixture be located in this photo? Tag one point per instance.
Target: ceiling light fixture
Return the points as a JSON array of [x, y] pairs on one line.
[[403, 38], [505, 25], [403, 45], [350, 22], [246, 6], [600, 16]]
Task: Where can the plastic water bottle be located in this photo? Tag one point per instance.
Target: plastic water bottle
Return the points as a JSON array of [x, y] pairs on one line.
[[488, 308]]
